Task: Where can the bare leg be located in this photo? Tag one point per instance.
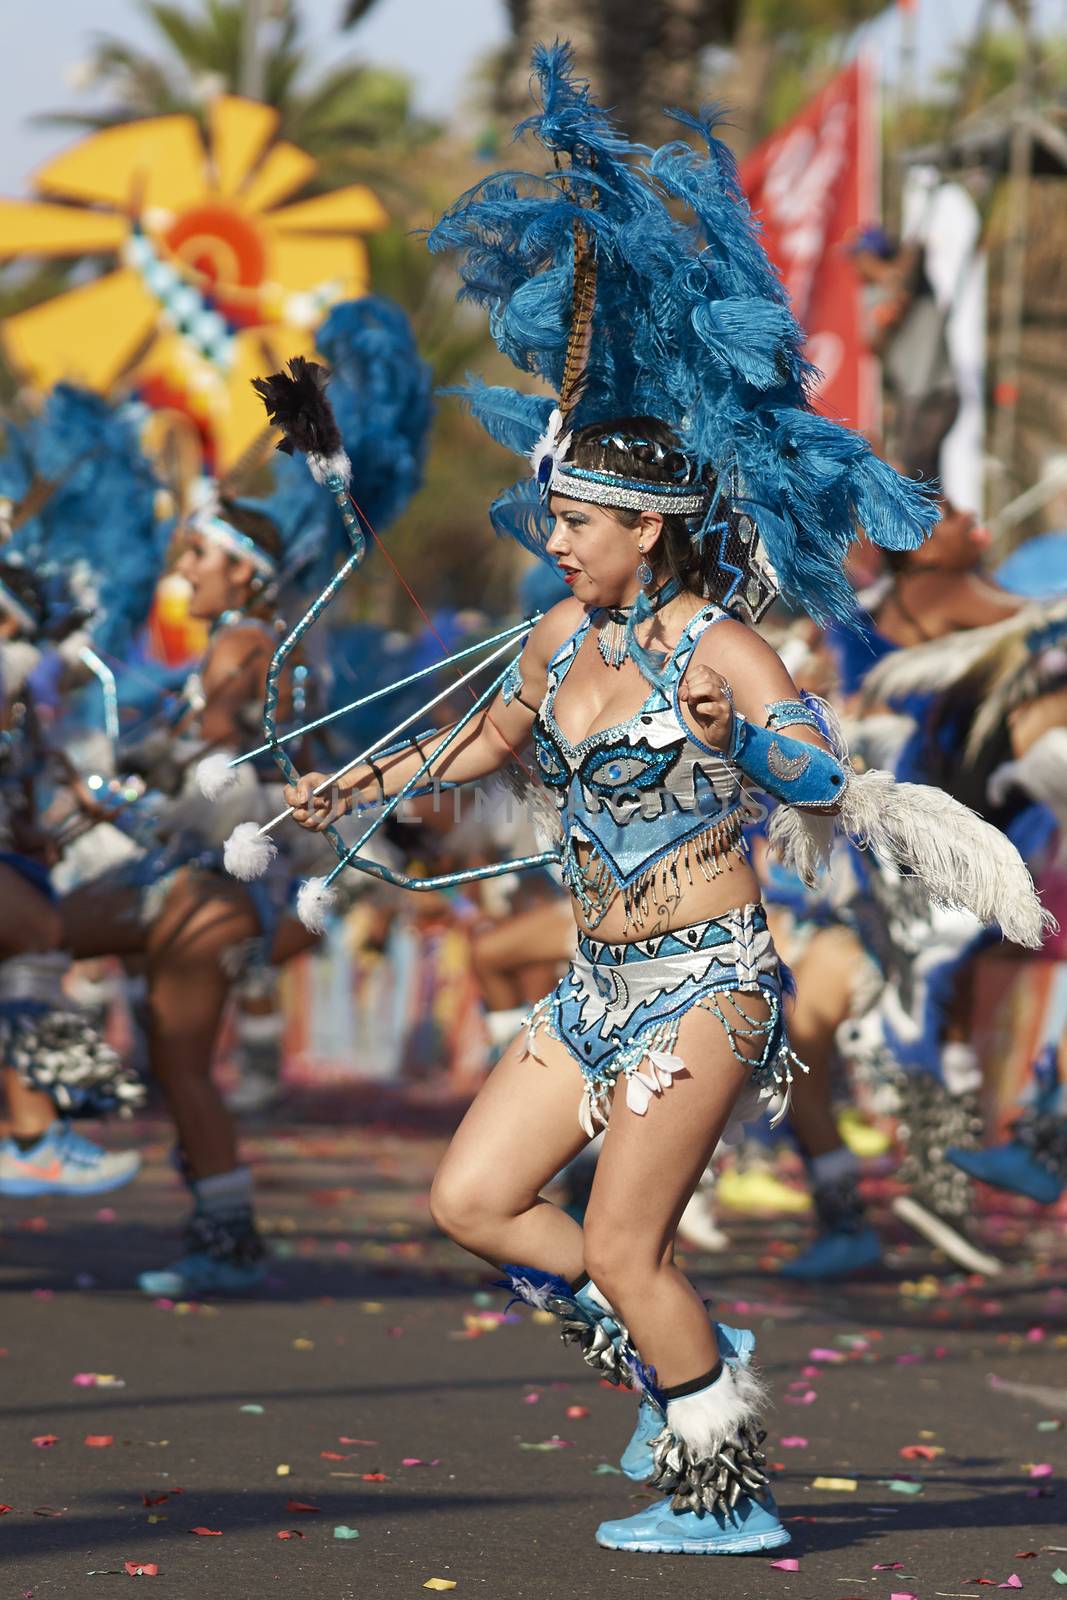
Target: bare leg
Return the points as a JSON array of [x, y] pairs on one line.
[[29, 924], [648, 1169], [30, 1111], [188, 990], [825, 975], [521, 1129]]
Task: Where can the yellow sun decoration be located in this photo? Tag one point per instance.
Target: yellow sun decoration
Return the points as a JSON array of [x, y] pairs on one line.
[[214, 281]]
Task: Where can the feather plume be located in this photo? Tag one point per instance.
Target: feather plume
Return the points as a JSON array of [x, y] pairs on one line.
[[634, 283], [520, 514], [380, 394], [297, 403], [1041, 773], [1019, 668], [514, 420], [802, 840], [580, 339], [940, 663], [85, 511], [534, 1287], [962, 860]]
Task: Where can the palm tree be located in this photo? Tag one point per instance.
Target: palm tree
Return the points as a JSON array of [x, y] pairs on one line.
[[349, 110], [644, 54]]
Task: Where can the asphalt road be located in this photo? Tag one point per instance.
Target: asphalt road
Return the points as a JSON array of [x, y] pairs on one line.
[[372, 1406]]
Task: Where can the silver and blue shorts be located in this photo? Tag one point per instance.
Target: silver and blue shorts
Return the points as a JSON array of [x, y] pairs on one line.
[[620, 1006]]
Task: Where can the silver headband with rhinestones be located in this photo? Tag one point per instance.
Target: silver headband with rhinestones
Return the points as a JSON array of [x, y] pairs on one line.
[[665, 500], [218, 531]]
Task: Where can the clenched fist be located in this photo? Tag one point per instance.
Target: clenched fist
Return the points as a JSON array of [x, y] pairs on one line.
[[316, 811], [711, 703]]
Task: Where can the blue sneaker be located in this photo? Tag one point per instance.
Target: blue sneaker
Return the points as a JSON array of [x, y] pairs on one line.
[[751, 1526], [835, 1254], [199, 1274], [735, 1344], [224, 1256], [1010, 1166], [63, 1162]]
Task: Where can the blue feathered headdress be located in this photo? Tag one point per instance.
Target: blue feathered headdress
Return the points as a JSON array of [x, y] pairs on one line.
[[79, 470], [690, 324], [380, 390]]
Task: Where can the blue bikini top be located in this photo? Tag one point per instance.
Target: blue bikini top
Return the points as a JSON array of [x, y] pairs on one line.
[[644, 799]]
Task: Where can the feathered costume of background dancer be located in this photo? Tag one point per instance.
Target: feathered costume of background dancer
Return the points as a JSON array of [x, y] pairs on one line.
[[682, 431], [995, 732], [199, 930], [77, 490]]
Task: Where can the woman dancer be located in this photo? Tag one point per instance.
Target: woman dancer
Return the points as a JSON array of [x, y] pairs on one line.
[[677, 967], [185, 915], [52, 1063], [682, 410]]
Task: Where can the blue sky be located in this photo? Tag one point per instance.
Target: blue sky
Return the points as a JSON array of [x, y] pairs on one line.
[[437, 42]]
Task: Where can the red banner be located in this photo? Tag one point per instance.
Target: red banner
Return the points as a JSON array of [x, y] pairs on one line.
[[811, 184]]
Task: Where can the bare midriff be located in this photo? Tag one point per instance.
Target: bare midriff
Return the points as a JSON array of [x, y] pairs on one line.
[[734, 885]]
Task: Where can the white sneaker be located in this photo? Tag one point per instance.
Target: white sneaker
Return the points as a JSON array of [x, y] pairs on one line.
[[63, 1162], [698, 1226]]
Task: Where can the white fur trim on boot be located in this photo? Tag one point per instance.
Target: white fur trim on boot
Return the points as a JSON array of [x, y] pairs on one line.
[[705, 1421]]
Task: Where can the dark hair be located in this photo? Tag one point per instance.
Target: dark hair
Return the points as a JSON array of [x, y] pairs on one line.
[[27, 589], [254, 524], [644, 447]]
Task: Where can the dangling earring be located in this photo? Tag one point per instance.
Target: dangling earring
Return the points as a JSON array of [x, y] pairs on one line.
[[644, 571]]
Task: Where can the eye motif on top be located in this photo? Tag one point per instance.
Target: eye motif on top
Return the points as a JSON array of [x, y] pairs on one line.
[[621, 772], [553, 768]]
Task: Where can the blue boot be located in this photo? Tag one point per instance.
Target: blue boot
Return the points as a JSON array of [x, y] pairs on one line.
[[1034, 1160], [708, 1458], [751, 1525], [1011, 1166], [836, 1254], [735, 1344], [846, 1242]]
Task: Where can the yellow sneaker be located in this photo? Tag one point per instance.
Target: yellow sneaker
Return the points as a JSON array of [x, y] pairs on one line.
[[756, 1191], [861, 1136]]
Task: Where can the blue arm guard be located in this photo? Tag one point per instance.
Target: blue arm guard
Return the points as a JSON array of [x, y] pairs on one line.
[[797, 773]]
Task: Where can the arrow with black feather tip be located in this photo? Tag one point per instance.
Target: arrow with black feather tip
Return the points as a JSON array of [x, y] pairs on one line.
[[297, 403]]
